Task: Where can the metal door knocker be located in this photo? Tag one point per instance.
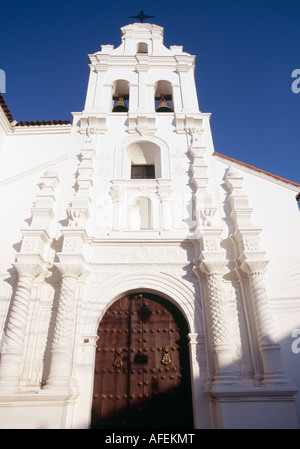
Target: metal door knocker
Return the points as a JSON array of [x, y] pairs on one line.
[[118, 358], [166, 358]]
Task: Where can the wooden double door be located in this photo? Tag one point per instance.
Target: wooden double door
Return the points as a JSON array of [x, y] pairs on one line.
[[142, 369]]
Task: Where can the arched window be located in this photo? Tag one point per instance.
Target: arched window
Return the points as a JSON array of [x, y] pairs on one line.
[[163, 96], [145, 160], [142, 47], [120, 96]]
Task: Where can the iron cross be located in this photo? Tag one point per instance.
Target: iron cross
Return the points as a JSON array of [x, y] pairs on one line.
[[141, 17]]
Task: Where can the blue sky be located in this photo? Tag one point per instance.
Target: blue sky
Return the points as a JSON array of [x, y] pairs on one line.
[[246, 51]]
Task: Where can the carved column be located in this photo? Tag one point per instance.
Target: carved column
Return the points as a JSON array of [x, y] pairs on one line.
[[62, 345], [220, 343], [12, 355], [31, 261], [71, 266], [252, 261], [269, 348]]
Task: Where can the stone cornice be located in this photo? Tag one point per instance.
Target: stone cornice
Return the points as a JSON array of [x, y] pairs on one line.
[[127, 241], [101, 62], [43, 129]]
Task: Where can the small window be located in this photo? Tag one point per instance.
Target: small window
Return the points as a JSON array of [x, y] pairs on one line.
[[142, 172]]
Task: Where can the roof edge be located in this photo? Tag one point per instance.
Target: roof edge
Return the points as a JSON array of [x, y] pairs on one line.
[[44, 122], [9, 117], [5, 109], [279, 178]]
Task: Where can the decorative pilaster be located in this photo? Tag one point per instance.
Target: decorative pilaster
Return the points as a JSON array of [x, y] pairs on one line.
[[220, 343], [62, 345], [142, 68], [183, 67], [165, 192], [79, 213], [117, 193], [71, 266], [252, 262], [204, 208], [212, 262], [30, 263], [269, 348], [12, 354]]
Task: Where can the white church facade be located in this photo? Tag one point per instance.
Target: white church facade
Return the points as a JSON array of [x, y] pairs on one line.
[[147, 281]]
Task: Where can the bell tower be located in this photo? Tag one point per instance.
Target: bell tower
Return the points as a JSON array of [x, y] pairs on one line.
[[142, 107], [141, 70]]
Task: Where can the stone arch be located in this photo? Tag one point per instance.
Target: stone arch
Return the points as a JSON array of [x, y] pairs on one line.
[[143, 152], [167, 286], [150, 144]]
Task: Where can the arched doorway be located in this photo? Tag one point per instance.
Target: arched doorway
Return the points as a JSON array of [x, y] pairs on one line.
[[142, 369]]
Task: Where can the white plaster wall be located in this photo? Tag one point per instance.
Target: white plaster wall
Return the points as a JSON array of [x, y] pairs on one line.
[[25, 150], [24, 156], [276, 211]]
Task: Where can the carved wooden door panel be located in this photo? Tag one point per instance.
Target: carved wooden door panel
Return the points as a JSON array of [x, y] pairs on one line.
[[142, 371]]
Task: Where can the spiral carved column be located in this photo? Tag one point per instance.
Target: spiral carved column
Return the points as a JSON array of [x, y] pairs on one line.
[[219, 328], [252, 262], [62, 346], [269, 349], [12, 355], [220, 337]]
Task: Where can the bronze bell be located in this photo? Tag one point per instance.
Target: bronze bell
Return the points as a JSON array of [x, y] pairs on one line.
[[120, 106], [163, 106]]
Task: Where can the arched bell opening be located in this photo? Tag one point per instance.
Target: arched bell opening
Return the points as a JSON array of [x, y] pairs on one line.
[[142, 47], [120, 96], [142, 366], [164, 97]]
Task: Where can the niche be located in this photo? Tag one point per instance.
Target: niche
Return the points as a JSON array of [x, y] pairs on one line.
[[141, 214]]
